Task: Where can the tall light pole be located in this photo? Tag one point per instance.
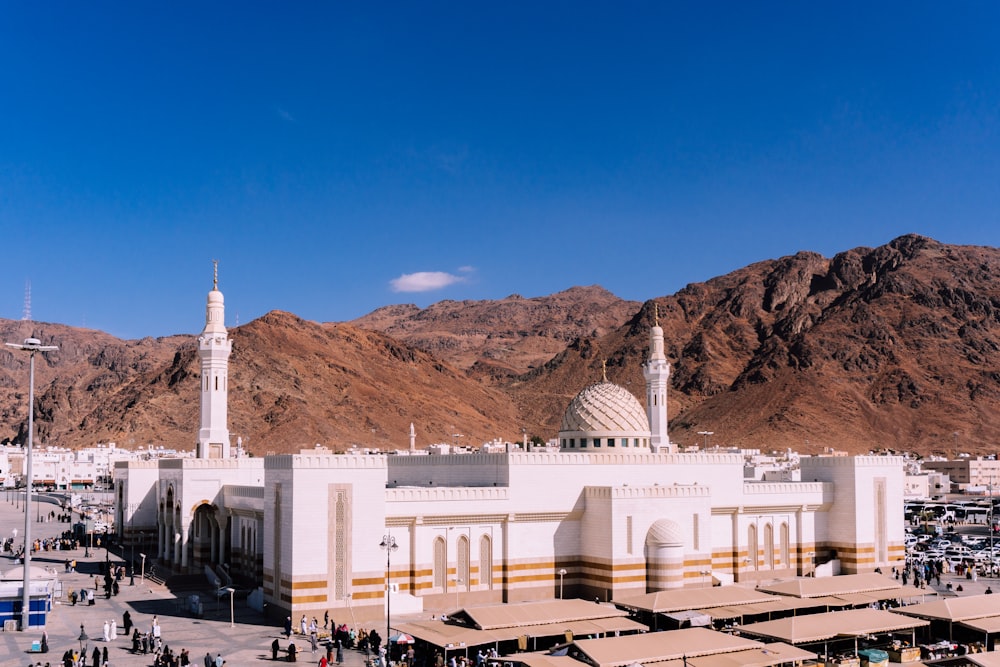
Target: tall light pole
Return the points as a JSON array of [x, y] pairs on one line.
[[388, 544], [561, 573], [30, 345], [992, 565], [707, 435], [232, 618]]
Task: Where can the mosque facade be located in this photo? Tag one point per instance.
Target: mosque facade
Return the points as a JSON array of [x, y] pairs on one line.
[[614, 512]]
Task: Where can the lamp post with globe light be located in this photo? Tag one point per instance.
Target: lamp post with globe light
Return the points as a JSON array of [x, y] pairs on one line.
[[561, 573], [31, 346], [388, 544]]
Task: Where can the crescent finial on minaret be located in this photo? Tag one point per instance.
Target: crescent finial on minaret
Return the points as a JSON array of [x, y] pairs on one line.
[[215, 274], [656, 314]]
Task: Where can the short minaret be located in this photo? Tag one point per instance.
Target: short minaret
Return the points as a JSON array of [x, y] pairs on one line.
[[214, 348], [413, 438], [656, 370]]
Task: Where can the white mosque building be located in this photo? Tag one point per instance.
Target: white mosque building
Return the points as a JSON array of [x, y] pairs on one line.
[[614, 512]]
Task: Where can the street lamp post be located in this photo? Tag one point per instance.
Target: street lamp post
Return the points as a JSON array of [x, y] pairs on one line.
[[561, 573], [388, 544], [991, 523], [31, 346], [707, 434], [232, 617], [142, 572]]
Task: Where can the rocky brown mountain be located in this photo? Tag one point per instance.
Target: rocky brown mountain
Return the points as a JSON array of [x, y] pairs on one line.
[[504, 337], [892, 347]]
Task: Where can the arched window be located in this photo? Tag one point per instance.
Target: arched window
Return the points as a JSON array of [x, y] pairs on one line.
[[768, 547], [440, 563], [785, 555], [462, 566], [486, 562]]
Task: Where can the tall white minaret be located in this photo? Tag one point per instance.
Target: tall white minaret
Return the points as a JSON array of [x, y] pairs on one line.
[[214, 347], [413, 438], [656, 370]]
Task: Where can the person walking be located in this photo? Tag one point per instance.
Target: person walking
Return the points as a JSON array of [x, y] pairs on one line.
[[127, 622], [274, 649], [288, 626], [208, 660], [114, 630], [340, 653]]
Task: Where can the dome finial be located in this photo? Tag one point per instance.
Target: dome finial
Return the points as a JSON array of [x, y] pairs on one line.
[[215, 274], [604, 370]]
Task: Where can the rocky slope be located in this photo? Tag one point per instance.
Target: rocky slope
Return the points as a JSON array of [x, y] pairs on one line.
[[892, 347], [504, 337]]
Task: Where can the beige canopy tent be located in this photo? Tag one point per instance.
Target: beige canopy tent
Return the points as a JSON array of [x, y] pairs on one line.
[[843, 585], [537, 612], [683, 599], [492, 624], [815, 628], [766, 655], [657, 647], [974, 611], [991, 659], [776, 603]]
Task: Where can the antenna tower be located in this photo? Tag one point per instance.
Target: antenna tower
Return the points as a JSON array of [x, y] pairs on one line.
[[26, 314]]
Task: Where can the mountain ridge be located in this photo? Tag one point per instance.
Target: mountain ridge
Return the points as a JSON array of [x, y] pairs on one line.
[[892, 347]]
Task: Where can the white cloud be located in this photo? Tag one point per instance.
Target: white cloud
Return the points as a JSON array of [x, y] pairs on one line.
[[424, 281]]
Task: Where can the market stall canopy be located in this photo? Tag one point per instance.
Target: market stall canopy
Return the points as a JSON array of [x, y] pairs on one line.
[[811, 587], [682, 599], [819, 627], [991, 659], [496, 623], [657, 647], [956, 609], [989, 624], [517, 614], [776, 603], [776, 653], [544, 660]]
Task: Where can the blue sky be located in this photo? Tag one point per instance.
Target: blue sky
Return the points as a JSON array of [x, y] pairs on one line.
[[334, 157]]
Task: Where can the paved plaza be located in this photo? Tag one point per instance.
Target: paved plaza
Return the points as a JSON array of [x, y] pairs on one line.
[[248, 641]]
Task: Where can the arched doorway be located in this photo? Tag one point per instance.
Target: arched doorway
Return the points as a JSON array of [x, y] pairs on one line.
[[205, 543]]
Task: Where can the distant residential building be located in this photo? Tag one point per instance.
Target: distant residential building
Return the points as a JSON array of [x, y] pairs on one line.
[[967, 474]]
